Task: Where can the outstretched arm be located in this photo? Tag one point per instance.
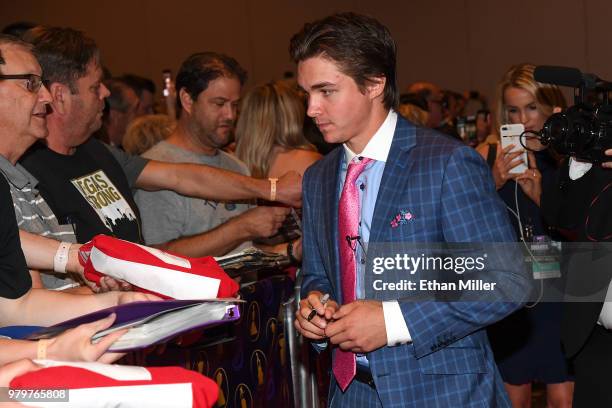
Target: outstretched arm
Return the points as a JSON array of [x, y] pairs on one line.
[[197, 180], [40, 252], [41, 307], [72, 345], [258, 222]]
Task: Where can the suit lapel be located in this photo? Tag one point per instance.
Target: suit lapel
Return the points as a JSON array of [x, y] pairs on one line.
[[395, 177], [330, 217]]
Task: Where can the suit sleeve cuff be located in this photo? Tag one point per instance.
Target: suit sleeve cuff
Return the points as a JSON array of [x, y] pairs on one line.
[[395, 325], [319, 345]]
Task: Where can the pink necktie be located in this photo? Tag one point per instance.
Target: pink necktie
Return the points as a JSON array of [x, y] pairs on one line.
[[344, 366]]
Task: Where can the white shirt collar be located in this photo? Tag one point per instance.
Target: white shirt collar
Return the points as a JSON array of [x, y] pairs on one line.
[[578, 169], [379, 145]]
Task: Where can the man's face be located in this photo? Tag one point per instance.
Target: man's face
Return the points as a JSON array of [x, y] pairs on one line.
[[86, 106], [335, 102], [22, 113], [145, 104], [213, 113], [121, 120]]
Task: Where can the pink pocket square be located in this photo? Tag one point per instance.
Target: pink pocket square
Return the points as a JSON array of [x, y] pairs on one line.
[[402, 218]]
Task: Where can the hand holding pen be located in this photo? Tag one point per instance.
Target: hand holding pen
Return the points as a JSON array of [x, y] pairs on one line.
[[314, 314]]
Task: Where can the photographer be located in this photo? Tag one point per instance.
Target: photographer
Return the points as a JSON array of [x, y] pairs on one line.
[[527, 344], [576, 202], [578, 205]]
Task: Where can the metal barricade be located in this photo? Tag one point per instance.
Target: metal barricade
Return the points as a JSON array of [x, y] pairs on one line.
[[305, 387]]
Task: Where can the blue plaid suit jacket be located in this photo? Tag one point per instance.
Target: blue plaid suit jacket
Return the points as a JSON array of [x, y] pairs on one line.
[[449, 189]]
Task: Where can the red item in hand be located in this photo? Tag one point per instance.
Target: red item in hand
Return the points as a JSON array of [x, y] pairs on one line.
[[101, 385], [154, 271]]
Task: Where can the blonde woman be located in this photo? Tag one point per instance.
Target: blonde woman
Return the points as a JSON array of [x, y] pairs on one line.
[[270, 138], [519, 99], [527, 344], [146, 131], [269, 133]]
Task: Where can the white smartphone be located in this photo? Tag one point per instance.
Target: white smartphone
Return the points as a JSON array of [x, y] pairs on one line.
[[511, 135]]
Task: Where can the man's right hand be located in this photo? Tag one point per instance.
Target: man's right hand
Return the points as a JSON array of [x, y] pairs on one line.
[[263, 221], [315, 328], [289, 189]]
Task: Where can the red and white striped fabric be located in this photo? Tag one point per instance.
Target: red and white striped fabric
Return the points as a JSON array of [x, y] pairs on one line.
[[93, 385], [154, 271]]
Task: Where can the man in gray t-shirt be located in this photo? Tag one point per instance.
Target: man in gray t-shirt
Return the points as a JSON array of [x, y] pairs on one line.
[[209, 86]]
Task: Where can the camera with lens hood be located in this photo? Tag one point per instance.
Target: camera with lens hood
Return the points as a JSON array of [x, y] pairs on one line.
[[584, 130]]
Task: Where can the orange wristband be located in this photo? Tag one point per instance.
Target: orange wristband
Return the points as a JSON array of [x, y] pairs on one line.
[[273, 188]]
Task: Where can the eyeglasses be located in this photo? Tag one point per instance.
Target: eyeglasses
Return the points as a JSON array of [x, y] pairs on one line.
[[33, 81]]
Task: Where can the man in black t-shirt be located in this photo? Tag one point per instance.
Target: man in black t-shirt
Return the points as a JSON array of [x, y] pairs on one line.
[[87, 186], [88, 189]]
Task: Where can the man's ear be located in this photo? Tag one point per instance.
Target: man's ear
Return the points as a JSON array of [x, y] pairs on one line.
[[557, 109], [375, 87], [60, 94], [186, 100]]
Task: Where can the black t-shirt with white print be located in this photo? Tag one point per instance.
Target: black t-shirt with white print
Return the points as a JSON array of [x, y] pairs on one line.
[[87, 189]]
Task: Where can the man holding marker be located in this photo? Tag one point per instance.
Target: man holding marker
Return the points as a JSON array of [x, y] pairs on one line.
[[390, 182]]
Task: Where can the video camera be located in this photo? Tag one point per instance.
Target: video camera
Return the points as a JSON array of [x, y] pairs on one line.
[[584, 130]]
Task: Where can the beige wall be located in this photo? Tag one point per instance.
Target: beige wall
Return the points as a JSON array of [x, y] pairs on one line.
[[460, 44]]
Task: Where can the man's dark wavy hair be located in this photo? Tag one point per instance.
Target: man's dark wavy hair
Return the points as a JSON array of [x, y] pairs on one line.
[[360, 45], [63, 53], [198, 70]]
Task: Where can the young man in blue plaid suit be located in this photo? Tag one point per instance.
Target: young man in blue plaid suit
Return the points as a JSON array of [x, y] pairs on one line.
[[419, 187]]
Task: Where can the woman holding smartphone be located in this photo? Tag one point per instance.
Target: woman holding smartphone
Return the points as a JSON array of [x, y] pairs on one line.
[[527, 344]]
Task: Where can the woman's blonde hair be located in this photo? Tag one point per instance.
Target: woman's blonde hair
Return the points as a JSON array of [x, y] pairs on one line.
[[270, 115], [413, 113], [521, 76], [146, 131]]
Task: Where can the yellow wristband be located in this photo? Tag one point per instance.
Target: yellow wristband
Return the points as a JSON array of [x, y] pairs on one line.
[[41, 349], [273, 188]]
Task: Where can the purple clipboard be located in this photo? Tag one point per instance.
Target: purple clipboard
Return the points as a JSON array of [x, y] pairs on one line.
[[139, 313]]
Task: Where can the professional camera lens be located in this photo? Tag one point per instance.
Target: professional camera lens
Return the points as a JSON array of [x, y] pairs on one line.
[[555, 130]]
